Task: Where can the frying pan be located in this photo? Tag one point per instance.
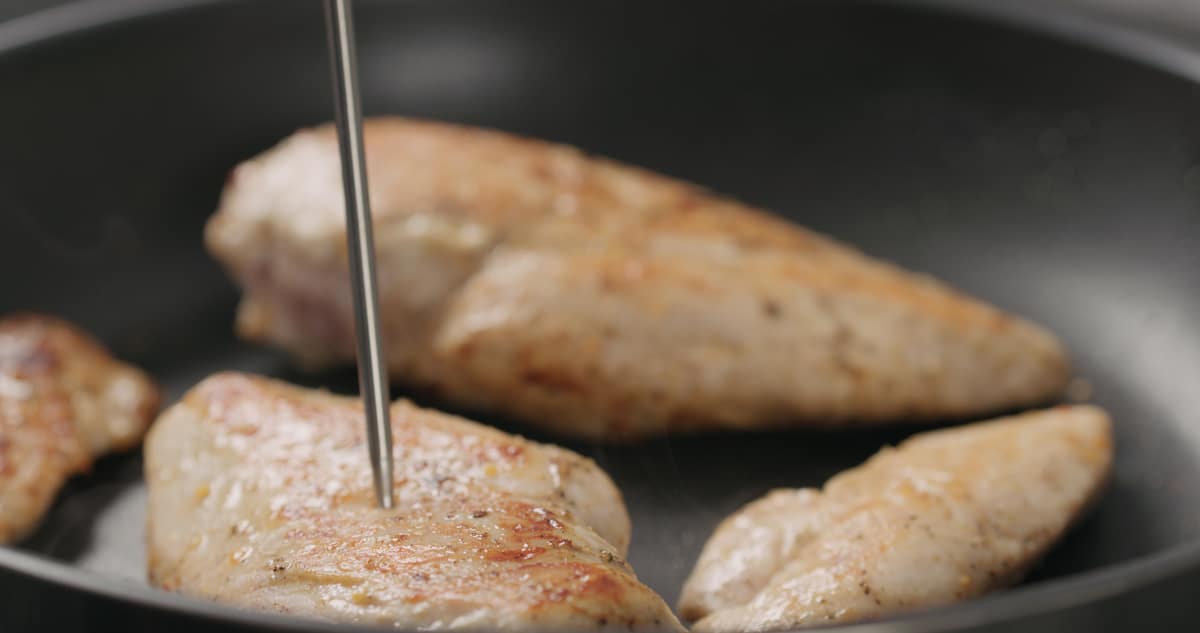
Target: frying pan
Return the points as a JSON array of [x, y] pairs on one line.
[[1048, 176]]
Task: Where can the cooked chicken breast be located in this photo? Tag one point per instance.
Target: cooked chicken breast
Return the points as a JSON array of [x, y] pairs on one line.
[[63, 402], [603, 301], [945, 516], [260, 496]]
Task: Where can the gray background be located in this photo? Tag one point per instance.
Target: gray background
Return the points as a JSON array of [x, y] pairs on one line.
[[1178, 19]]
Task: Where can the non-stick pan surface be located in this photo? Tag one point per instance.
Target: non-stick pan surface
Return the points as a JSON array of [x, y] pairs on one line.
[[1052, 179]]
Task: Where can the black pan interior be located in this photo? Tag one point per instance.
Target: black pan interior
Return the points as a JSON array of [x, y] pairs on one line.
[[1056, 181]]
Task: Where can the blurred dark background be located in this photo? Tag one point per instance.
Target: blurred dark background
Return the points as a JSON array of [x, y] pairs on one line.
[[14, 8], [1176, 19]]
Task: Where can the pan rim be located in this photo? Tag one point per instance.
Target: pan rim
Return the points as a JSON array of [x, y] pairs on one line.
[[1070, 25]]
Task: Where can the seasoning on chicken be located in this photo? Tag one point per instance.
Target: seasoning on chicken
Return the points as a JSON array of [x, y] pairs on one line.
[[945, 516], [603, 301], [261, 496], [64, 401]]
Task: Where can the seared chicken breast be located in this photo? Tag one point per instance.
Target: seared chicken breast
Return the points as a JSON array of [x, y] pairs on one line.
[[260, 495], [945, 516], [64, 401], [598, 300]]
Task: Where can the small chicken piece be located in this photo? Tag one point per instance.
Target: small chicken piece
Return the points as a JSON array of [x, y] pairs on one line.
[[601, 301], [946, 516], [63, 402], [260, 496]]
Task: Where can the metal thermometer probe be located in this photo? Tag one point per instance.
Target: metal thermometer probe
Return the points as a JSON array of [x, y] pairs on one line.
[[372, 373]]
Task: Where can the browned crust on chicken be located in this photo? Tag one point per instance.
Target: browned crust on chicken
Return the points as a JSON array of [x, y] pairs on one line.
[[601, 300], [260, 496], [64, 401], [945, 516]]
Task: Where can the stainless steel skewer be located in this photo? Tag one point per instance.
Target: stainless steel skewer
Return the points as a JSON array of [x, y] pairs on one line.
[[372, 372]]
